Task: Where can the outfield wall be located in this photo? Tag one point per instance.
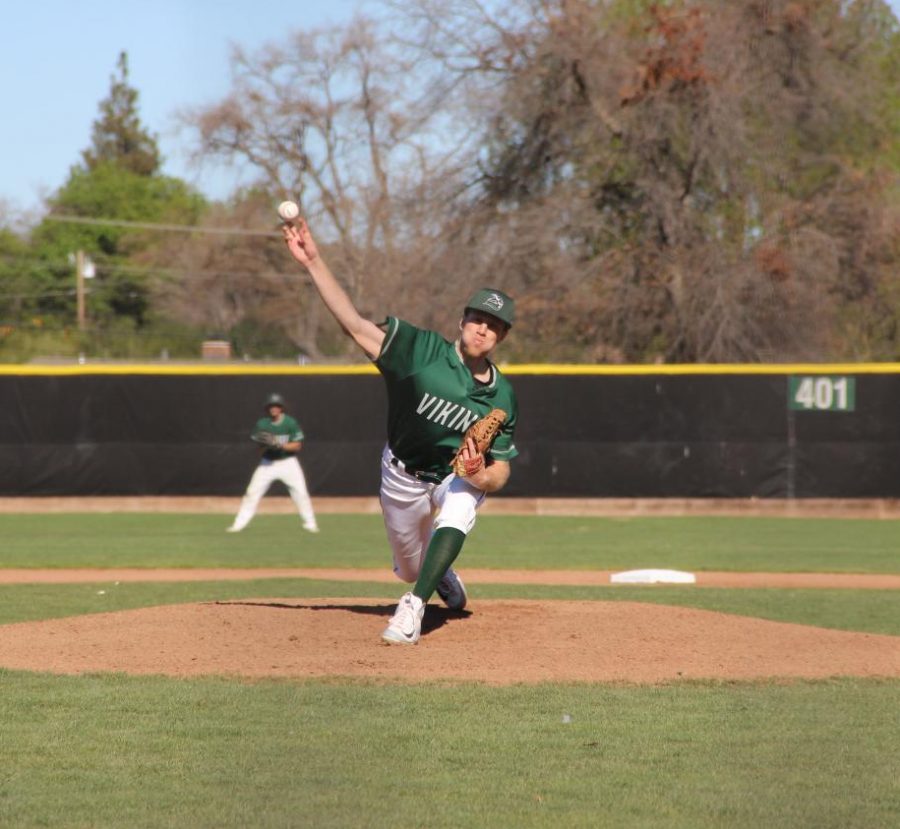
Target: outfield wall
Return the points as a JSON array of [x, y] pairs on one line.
[[799, 431]]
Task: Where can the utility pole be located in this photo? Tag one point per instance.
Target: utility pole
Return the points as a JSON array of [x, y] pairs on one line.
[[84, 269], [79, 287]]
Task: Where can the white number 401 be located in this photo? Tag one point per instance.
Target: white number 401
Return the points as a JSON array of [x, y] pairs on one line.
[[822, 393]]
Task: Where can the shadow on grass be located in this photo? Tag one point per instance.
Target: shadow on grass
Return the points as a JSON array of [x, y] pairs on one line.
[[435, 616]]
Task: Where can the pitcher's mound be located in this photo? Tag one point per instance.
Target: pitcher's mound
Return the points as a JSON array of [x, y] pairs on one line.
[[499, 642]]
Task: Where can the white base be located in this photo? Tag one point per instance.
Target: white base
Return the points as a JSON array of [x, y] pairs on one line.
[[653, 577]]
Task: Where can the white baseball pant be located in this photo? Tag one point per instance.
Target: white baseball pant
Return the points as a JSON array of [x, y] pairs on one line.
[[414, 509], [289, 472]]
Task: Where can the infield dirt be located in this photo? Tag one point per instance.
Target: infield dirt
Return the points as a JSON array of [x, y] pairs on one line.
[[496, 642]]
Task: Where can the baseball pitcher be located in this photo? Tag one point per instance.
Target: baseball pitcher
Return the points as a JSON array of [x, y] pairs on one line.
[[451, 420]]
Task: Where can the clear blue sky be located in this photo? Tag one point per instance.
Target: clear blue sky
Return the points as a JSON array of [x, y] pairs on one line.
[[58, 57]]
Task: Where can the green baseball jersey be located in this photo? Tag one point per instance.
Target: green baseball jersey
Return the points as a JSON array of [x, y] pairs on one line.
[[433, 398], [287, 430]]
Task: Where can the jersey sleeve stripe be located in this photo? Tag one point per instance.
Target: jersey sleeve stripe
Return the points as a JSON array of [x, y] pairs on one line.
[[393, 325], [505, 454]]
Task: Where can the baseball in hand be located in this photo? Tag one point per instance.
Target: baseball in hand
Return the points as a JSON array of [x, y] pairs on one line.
[[288, 211]]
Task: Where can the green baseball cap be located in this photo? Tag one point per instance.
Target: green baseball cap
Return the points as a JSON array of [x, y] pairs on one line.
[[495, 303]]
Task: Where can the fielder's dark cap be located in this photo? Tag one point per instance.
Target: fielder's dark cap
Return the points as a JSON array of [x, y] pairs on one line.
[[493, 302], [275, 400]]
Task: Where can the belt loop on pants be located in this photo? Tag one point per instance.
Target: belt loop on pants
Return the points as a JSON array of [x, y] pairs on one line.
[[419, 475]]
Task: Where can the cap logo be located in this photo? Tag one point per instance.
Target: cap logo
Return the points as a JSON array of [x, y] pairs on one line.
[[493, 301]]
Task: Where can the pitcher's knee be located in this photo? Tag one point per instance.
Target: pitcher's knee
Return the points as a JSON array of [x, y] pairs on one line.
[[407, 569]]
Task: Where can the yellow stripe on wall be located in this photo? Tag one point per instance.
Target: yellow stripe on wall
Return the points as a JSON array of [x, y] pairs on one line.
[[529, 368], [144, 368], [706, 368]]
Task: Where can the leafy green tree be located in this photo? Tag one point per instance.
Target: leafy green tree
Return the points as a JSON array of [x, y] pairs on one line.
[[14, 287], [25, 282], [107, 191], [119, 180], [118, 135]]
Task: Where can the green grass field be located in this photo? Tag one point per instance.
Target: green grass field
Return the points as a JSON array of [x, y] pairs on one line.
[[176, 540], [112, 750]]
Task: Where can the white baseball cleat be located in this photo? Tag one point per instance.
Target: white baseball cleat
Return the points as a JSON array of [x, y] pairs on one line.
[[311, 528], [452, 590], [405, 626], [232, 529]]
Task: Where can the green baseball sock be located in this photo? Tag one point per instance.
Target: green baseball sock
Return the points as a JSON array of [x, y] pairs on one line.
[[442, 551]]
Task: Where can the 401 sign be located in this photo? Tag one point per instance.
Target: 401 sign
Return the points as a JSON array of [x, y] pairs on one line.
[[822, 394]]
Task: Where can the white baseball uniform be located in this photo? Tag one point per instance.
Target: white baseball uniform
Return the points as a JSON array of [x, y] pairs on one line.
[[413, 509], [277, 464]]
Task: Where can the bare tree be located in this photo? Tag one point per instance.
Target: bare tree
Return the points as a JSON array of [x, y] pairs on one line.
[[673, 182], [342, 123], [216, 282], [667, 182]]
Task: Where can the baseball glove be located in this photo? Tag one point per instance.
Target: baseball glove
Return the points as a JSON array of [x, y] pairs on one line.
[[265, 439], [482, 433]]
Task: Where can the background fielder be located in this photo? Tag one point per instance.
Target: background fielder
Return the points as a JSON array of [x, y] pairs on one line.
[[436, 389], [280, 438]]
